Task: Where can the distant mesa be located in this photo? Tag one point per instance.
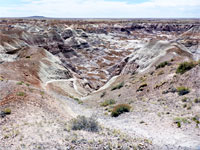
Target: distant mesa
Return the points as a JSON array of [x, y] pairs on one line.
[[36, 17]]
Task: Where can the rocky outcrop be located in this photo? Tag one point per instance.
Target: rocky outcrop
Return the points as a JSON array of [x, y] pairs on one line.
[[166, 27], [123, 68], [67, 33]]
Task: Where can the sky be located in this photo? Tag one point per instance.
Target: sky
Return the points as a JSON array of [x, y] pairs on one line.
[[101, 8]]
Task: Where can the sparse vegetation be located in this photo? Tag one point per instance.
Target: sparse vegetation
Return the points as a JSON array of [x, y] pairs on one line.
[[184, 99], [84, 123], [6, 136], [184, 67], [108, 102], [179, 121], [103, 94], [163, 64], [141, 87], [20, 83], [20, 94], [1, 78], [184, 120], [7, 111], [160, 84], [160, 72], [119, 109], [94, 57], [182, 90], [78, 100], [197, 100], [196, 120], [178, 124], [42, 92], [143, 79], [184, 105], [118, 86]]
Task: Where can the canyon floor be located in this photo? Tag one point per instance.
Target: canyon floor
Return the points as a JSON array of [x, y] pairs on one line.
[[54, 71]]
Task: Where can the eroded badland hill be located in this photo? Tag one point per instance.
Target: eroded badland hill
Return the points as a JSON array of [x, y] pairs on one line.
[[99, 84]]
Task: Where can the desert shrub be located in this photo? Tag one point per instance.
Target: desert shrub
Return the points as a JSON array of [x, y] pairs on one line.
[[196, 100], [183, 90], [108, 102], [178, 124], [162, 65], [20, 83], [20, 94], [118, 86], [84, 123], [184, 99], [119, 109], [160, 73], [179, 121], [142, 86], [27, 84], [7, 111], [143, 79], [184, 67], [184, 105], [196, 120], [1, 78], [103, 94], [78, 100]]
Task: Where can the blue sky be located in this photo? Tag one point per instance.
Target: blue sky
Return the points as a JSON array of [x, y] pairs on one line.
[[101, 8]]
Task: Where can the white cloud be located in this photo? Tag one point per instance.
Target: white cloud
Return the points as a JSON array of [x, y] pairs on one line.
[[104, 9]]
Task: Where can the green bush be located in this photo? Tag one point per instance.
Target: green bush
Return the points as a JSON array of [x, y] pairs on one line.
[[119, 109], [182, 90], [108, 102], [184, 67], [197, 120], [1, 78], [178, 124], [20, 83], [163, 64], [78, 100], [7, 111], [84, 123], [20, 94], [179, 121], [196, 100], [118, 86]]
